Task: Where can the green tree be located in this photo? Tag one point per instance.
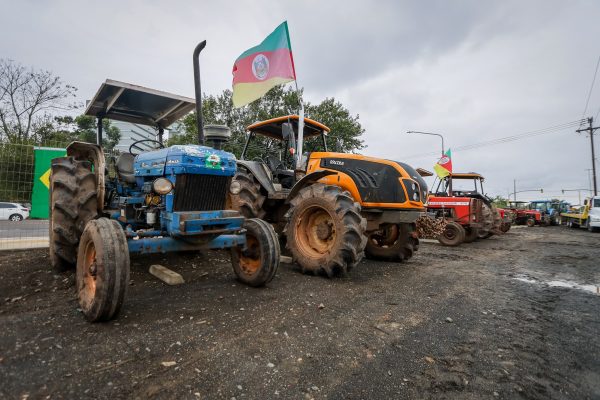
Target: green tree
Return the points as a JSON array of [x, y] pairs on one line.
[[277, 102], [60, 131], [500, 202], [26, 97]]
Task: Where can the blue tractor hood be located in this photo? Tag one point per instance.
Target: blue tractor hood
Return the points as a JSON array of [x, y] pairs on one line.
[[185, 159]]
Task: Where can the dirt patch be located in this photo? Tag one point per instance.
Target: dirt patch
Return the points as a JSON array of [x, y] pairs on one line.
[[451, 323]]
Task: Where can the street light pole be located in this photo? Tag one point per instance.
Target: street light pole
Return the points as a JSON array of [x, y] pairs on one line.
[[591, 129], [430, 133]]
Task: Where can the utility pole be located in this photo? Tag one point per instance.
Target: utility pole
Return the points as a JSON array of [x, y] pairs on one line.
[[591, 129], [515, 188]]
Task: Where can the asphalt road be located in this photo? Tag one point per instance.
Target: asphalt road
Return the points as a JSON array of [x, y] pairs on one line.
[[23, 229], [511, 317]]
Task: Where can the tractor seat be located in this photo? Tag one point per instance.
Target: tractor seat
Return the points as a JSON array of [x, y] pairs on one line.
[[125, 167]]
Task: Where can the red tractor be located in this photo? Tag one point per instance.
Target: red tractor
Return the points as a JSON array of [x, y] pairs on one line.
[[522, 215], [507, 219], [470, 214]]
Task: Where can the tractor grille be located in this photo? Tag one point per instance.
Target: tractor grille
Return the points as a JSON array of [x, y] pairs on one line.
[[200, 192]]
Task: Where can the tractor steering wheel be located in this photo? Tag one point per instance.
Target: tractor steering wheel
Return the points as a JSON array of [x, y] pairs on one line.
[[136, 145]]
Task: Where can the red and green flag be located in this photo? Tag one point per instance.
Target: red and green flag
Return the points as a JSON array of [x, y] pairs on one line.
[[443, 167], [262, 67]]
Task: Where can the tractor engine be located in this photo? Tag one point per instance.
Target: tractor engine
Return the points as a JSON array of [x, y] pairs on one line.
[[178, 178]]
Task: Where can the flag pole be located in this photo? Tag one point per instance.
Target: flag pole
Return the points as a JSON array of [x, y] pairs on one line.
[[300, 128]]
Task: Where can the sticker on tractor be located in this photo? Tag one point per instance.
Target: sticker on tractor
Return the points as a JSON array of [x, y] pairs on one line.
[[213, 161]]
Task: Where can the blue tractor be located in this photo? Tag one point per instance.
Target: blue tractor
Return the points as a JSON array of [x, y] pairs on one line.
[[551, 210], [150, 199]]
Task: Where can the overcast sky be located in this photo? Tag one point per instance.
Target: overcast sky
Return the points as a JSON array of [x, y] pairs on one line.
[[471, 70]]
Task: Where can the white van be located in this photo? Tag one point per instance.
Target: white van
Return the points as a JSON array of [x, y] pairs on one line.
[[13, 212]]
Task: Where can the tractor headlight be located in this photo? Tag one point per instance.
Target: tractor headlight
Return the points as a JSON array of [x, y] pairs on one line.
[[235, 187], [162, 186]]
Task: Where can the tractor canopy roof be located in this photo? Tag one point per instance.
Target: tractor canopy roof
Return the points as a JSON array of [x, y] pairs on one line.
[[467, 175], [273, 127], [122, 101]]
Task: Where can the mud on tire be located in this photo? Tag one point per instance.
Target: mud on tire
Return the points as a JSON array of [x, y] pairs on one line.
[[257, 263], [102, 270], [249, 200], [453, 235], [325, 231], [73, 203], [394, 242]]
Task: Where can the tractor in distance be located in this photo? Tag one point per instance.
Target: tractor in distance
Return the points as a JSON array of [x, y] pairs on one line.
[[329, 207], [159, 201], [522, 215], [551, 210], [459, 198]]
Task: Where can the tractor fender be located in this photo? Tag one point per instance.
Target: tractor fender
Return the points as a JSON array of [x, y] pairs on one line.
[[307, 180], [93, 153], [259, 171]]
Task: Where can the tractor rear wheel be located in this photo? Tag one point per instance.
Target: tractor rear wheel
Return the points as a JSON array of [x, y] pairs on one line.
[[256, 263], [73, 203], [453, 235], [325, 231], [102, 269], [471, 234], [393, 242], [247, 198]]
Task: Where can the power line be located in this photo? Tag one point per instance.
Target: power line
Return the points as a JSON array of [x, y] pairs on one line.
[[506, 139], [587, 102]]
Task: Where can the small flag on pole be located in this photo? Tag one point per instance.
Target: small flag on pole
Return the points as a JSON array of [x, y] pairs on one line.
[[262, 67], [443, 167]]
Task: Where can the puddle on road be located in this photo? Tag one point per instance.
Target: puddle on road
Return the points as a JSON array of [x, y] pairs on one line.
[[558, 283]]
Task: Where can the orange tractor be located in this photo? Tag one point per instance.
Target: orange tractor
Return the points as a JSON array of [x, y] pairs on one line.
[[329, 207]]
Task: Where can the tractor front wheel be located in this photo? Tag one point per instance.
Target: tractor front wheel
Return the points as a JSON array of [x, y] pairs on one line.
[[453, 235], [102, 269], [530, 222], [393, 242], [325, 231], [256, 263], [505, 227]]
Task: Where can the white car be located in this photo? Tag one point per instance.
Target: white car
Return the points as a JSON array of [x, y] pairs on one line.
[[13, 212]]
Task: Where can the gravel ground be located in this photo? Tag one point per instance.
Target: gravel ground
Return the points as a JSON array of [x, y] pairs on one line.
[[511, 317]]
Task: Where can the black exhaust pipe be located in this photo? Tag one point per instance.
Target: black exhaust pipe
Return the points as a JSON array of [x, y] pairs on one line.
[[199, 119]]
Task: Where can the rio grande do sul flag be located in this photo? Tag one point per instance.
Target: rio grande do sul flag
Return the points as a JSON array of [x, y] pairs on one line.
[[443, 167], [262, 67]]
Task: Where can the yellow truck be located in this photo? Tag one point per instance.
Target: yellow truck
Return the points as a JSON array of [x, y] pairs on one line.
[[586, 217]]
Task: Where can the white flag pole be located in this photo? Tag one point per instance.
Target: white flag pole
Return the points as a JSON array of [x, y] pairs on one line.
[[300, 130]]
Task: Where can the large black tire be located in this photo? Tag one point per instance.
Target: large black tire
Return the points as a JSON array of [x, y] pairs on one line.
[[257, 263], [249, 200], [325, 231], [487, 217], [394, 242], [453, 235], [73, 203], [102, 269], [471, 234]]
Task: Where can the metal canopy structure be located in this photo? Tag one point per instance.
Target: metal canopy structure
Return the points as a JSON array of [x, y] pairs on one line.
[[122, 101], [273, 127]]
